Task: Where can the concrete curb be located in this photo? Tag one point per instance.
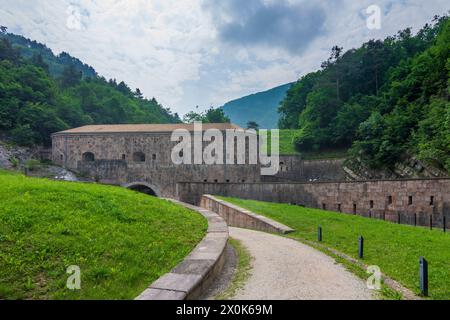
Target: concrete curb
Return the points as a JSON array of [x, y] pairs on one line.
[[194, 275], [241, 218]]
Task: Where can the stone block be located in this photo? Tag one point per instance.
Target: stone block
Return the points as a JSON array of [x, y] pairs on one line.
[[158, 294], [177, 282]]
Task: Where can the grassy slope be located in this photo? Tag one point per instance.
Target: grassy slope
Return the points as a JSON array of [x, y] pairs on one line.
[[287, 147], [122, 240], [396, 249]]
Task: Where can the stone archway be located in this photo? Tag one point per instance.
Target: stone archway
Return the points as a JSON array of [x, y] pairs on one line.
[[144, 187]]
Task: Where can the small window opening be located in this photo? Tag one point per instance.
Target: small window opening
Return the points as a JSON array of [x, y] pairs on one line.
[[371, 204], [88, 157], [410, 200], [139, 157], [390, 200], [432, 201]]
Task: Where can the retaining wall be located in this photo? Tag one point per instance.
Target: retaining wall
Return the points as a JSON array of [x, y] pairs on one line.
[[190, 279], [242, 218], [416, 202]]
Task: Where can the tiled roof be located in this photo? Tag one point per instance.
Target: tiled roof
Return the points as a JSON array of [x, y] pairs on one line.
[[129, 128]]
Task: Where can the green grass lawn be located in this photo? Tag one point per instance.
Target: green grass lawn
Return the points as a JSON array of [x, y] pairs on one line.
[[287, 147], [121, 240], [396, 249]]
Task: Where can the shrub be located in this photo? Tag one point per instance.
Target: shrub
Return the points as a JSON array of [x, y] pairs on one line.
[[32, 164], [14, 162]]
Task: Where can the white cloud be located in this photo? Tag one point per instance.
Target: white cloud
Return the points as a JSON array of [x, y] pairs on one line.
[[174, 51]]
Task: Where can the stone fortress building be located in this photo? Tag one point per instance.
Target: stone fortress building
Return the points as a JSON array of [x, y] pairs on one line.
[[139, 157]]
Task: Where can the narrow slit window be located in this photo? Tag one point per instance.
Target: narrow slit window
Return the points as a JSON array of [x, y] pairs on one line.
[[432, 201], [372, 204], [390, 200], [410, 200]]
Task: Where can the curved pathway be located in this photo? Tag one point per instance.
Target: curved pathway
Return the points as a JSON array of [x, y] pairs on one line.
[[285, 269]]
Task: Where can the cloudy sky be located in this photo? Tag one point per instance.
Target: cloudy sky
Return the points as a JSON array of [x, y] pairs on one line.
[[207, 52]]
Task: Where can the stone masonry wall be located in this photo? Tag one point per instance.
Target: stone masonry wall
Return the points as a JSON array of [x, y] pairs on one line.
[[242, 218], [294, 168], [114, 162], [407, 201]]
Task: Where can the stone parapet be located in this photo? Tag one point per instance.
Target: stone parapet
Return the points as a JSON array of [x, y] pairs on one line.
[[195, 274], [241, 218]]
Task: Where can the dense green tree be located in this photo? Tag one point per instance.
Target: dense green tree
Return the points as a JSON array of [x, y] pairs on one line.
[[382, 99], [37, 100], [70, 77], [211, 115], [252, 125]]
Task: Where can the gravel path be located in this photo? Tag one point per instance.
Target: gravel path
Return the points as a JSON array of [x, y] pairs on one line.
[[285, 269]]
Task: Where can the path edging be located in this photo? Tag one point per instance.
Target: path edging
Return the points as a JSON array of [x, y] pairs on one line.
[[406, 293], [242, 218], [189, 279]]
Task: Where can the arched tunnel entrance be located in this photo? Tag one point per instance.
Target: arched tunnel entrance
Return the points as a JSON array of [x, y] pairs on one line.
[[143, 187]]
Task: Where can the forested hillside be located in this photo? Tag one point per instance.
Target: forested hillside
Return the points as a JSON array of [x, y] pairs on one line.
[[386, 100], [259, 107], [41, 93]]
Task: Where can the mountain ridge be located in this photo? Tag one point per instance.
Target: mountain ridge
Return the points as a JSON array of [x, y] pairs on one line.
[[260, 107]]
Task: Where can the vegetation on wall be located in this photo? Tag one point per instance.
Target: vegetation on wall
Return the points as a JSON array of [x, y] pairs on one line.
[[41, 93], [385, 100]]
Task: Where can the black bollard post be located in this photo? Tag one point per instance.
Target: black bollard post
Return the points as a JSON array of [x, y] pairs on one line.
[[415, 219], [431, 222], [423, 277], [319, 234], [399, 218], [361, 247], [445, 224]]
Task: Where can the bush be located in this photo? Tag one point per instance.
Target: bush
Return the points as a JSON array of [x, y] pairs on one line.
[[23, 135], [14, 162], [32, 164]]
